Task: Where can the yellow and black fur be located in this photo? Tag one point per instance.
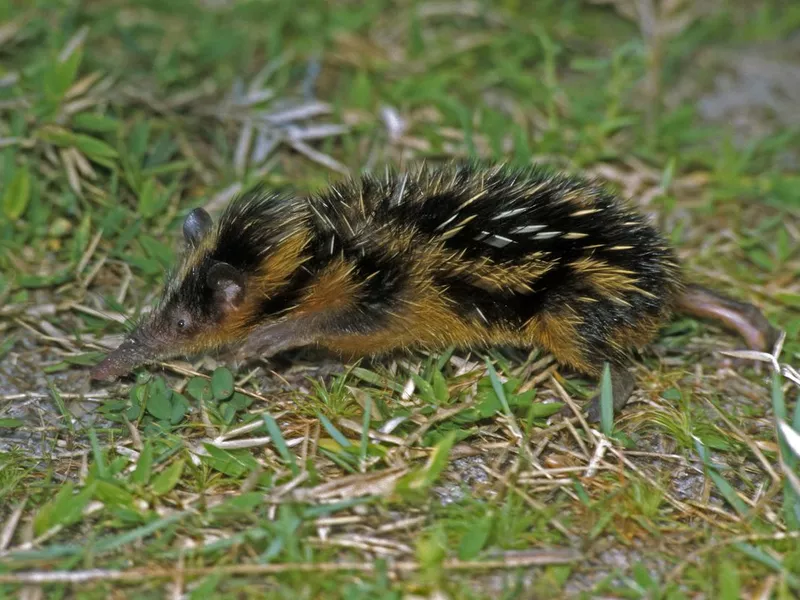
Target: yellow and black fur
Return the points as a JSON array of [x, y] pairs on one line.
[[464, 255]]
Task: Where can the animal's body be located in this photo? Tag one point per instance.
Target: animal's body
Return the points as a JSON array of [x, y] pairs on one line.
[[464, 255]]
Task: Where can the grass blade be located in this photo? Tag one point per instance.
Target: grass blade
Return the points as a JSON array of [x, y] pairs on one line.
[[606, 402], [364, 445], [280, 443], [337, 435]]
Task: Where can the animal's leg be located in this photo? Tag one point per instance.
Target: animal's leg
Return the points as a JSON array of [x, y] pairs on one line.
[[331, 330], [622, 385], [741, 317], [267, 340]]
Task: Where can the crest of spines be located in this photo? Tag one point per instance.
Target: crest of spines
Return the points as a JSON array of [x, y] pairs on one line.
[[594, 244]]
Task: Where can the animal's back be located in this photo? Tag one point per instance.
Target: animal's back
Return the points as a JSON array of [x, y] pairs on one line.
[[471, 255]]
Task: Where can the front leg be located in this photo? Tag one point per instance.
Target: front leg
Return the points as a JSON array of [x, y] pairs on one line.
[[270, 339], [331, 329]]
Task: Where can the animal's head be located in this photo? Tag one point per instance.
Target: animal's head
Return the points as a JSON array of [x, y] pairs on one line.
[[212, 298]]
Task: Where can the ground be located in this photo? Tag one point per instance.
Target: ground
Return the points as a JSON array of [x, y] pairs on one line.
[[424, 476]]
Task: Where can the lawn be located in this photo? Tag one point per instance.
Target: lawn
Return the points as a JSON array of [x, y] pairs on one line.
[[420, 476]]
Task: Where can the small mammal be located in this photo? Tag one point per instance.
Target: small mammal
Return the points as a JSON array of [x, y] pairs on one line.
[[467, 255]]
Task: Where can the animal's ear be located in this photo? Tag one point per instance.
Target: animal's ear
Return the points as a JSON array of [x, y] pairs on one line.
[[196, 225], [227, 283]]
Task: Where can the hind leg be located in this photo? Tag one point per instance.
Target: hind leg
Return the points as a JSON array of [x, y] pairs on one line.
[[741, 317], [558, 334], [622, 385]]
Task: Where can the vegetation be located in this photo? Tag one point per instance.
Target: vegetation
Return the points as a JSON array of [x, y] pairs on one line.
[[305, 478]]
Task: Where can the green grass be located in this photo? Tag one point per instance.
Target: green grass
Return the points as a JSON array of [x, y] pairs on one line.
[[389, 478]]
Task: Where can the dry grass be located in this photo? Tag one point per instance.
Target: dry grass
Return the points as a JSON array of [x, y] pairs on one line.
[[426, 476]]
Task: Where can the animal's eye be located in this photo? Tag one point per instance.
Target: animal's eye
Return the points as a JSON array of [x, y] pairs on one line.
[[181, 323]]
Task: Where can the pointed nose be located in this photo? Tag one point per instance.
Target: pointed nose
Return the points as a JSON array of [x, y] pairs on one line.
[[124, 359], [105, 370]]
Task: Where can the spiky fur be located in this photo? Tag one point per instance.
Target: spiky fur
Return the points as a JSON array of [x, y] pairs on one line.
[[466, 255]]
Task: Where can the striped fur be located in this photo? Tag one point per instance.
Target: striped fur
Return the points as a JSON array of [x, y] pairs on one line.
[[466, 254]]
